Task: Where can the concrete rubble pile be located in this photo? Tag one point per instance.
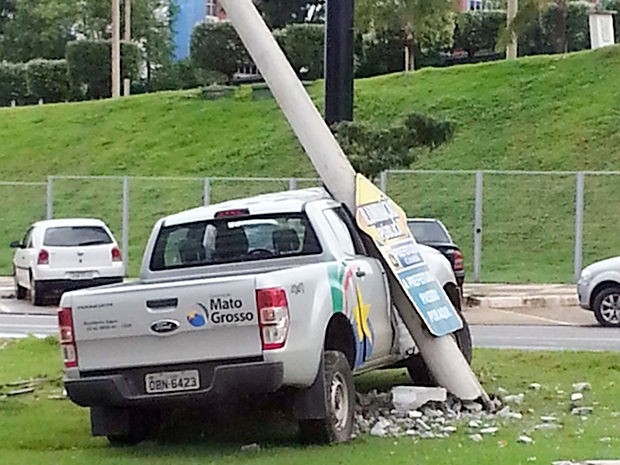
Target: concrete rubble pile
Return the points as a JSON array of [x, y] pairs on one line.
[[431, 413]]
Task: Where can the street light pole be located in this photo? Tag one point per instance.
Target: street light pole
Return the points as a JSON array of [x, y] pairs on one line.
[[127, 38], [116, 49]]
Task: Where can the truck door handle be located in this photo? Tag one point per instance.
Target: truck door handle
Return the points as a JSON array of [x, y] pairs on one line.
[[162, 303], [360, 273]]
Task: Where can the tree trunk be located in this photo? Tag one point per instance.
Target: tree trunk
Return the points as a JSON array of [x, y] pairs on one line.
[[559, 33], [409, 53]]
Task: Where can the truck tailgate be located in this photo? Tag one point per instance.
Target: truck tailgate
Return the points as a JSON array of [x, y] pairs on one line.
[[165, 323]]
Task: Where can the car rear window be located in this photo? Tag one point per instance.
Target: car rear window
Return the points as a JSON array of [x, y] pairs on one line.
[[232, 240], [76, 236], [428, 232]]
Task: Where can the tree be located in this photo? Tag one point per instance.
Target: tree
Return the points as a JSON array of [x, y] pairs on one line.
[[372, 149], [531, 11], [279, 13], [425, 24], [217, 47]]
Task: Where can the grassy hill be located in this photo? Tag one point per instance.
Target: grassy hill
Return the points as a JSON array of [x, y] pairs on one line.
[[540, 113]]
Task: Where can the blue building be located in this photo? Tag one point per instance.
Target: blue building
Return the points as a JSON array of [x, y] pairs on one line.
[[190, 13]]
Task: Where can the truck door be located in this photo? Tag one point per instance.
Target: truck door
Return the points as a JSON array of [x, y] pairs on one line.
[[365, 286]]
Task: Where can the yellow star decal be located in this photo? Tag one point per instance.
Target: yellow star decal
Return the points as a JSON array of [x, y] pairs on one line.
[[362, 312]]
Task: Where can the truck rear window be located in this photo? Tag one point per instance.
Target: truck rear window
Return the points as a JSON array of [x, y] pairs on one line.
[[76, 236], [234, 239]]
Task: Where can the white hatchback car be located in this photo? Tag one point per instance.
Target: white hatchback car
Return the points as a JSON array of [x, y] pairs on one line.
[[59, 255], [598, 289]]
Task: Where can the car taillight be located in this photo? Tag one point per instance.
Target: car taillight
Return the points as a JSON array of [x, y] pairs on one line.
[[67, 339], [458, 260], [116, 254], [43, 258], [273, 317]]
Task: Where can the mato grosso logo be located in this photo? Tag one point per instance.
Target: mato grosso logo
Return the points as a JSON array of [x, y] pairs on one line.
[[219, 311]]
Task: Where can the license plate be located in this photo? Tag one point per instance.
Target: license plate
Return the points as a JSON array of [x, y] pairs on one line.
[[172, 381], [81, 275]]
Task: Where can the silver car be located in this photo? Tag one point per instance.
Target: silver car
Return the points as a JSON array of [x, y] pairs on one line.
[[599, 291]]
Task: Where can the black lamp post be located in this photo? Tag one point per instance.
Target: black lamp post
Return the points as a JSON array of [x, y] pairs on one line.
[[339, 61]]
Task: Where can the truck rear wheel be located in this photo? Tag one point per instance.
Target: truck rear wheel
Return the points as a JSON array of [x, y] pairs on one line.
[[141, 425], [340, 394], [419, 372]]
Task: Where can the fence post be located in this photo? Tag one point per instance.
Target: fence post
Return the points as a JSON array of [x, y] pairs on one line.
[[292, 184], [49, 197], [383, 182], [579, 198], [206, 193], [478, 226], [125, 224]]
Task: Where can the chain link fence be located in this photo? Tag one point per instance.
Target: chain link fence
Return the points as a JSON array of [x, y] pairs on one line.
[[513, 226]]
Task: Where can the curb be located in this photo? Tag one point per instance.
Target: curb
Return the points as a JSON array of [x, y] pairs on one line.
[[504, 302]]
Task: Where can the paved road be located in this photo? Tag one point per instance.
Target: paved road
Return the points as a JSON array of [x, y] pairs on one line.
[[18, 326], [592, 338]]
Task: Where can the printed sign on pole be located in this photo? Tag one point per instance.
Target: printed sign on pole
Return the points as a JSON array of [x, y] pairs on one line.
[[386, 223]]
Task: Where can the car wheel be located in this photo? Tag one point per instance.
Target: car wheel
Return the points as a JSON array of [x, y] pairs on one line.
[[607, 306], [20, 292], [36, 293], [340, 393], [416, 367]]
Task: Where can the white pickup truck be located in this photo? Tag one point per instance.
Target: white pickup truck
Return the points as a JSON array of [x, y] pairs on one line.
[[273, 293]]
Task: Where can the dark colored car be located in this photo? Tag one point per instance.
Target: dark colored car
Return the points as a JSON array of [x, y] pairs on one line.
[[433, 233]]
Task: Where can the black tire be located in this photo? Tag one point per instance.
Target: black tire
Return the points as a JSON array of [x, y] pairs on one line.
[[340, 393], [606, 306], [142, 425], [36, 293], [20, 292], [419, 372]]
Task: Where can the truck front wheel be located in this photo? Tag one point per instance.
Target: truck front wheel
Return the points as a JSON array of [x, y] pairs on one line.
[[340, 395]]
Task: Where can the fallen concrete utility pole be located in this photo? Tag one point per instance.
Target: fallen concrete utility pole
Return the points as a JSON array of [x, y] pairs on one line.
[[439, 351]]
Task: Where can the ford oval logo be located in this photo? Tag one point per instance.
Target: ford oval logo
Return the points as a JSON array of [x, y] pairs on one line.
[[165, 326]]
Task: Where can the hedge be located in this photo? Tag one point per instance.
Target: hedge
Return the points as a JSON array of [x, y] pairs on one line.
[[13, 84], [48, 80], [304, 45], [89, 63], [217, 47]]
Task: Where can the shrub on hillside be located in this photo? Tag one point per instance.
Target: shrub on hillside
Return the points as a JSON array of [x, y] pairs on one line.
[[478, 30], [304, 46], [13, 83], [48, 80], [380, 52], [89, 64], [217, 47]]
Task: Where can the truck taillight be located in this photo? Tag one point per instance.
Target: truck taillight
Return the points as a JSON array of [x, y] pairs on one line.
[[273, 317], [43, 258], [116, 254], [458, 260], [67, 339]]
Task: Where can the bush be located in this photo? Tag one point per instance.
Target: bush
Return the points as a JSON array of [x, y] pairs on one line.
[[217, 47], [304, 46], [48, 80], [478, 30], [380, 52], [13, 83], [614, 5], [90, 61]]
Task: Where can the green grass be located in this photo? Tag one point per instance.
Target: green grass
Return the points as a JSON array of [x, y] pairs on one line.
[[539, 113], [35, 429]]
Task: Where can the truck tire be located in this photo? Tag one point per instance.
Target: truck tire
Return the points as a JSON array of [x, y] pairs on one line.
[[340, 394], [606, 306], [141, 425], [418, 371]]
